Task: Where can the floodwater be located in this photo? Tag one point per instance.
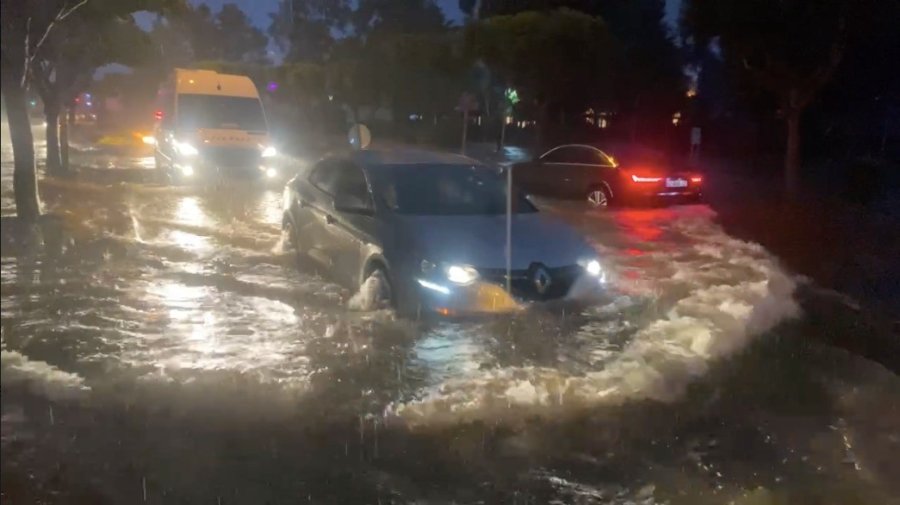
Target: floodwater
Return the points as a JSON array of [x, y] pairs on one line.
[[160, 345]]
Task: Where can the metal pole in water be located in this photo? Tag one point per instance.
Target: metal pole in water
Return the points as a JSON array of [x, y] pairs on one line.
[[509, 190]]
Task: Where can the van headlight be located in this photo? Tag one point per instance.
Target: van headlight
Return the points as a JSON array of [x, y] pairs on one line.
[[461, 274], [269, 152], [185, 149], [592, 267]]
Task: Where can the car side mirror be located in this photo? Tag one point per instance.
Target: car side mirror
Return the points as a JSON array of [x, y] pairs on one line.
[[352, 205]]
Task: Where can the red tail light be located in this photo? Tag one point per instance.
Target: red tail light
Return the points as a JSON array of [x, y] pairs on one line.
[[639, 178], [696, 179], [158, 115]]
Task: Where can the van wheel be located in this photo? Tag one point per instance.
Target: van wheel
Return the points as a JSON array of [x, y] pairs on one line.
[[598, 197]]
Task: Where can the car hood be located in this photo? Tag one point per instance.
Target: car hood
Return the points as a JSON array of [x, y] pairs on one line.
[[480, 240]]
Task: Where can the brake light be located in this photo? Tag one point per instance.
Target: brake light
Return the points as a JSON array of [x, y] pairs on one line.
[[638, 178], [697, 179], [158, 115]]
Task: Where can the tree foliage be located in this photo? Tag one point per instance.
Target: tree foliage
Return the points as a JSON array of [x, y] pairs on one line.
[[190, 34], [38, 48], [99, 33], [236, 38], [644, 79], [302, 29], [559, 59], [790, 48], [397, 16], [426, 72]]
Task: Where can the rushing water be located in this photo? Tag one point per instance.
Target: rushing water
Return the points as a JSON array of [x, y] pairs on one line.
[[160, 345]]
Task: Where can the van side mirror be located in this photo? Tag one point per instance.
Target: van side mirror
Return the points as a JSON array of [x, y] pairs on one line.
[[352, 205]]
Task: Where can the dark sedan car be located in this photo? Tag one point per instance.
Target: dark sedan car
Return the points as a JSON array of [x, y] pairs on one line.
[[604, 176]]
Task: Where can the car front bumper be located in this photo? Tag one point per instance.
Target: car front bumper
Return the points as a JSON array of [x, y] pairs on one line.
[[483, 297]]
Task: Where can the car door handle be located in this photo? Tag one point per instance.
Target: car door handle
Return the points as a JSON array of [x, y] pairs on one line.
[[329, 219]]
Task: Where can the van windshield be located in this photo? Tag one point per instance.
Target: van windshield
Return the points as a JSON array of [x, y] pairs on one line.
[[222, 112]]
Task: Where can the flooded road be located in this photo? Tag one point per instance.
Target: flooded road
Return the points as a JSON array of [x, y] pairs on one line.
[[160, 345]]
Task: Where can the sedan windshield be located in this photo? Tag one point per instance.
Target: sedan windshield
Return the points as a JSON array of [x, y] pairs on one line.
[[445, 190], [221, 112]]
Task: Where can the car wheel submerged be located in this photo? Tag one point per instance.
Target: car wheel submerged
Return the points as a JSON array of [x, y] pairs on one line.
[[292, 240], [375, 291], [598, 197]]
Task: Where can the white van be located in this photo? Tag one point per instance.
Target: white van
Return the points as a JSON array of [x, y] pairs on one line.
[[210, 124]]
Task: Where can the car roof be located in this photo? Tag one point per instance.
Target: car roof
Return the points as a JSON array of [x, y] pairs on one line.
[[383, 156]]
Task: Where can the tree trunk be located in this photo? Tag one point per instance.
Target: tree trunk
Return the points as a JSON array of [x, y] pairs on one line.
[[24, 177], [51, 115], [64, 140], [792, 153]]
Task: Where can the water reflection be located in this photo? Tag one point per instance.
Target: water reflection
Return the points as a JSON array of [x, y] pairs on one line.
[[207, 329], [643, 224], [147, 162], [449, 351], [269, 208], [188, 211]]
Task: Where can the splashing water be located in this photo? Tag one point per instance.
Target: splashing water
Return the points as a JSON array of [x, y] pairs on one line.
[[697, 304], [374, 294]]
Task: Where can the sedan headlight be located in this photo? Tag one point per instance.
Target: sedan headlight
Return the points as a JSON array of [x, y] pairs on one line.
[[185, 149], [461, 274], [269, 152]]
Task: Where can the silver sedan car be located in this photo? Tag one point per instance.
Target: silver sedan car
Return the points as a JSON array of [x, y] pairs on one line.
[[430, 229]]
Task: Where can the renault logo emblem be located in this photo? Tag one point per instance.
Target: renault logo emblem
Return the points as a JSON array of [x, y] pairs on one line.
[[541, 280]]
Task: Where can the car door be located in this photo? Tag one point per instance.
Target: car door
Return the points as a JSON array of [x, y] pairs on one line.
[[592, 167], [561, 170], [313, 209], [347, 232]]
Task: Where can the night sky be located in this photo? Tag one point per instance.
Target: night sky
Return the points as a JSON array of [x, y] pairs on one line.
[[259, 10]]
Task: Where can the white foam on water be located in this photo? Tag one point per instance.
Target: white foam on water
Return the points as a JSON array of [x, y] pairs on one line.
[[372, 295], [40, 377], [708, 295]]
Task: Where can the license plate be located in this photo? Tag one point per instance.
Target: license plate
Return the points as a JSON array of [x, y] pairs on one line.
[[676, 183]]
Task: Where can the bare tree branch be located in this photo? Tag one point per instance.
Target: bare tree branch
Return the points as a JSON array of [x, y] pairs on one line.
[[31, 53], [60, 16]]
